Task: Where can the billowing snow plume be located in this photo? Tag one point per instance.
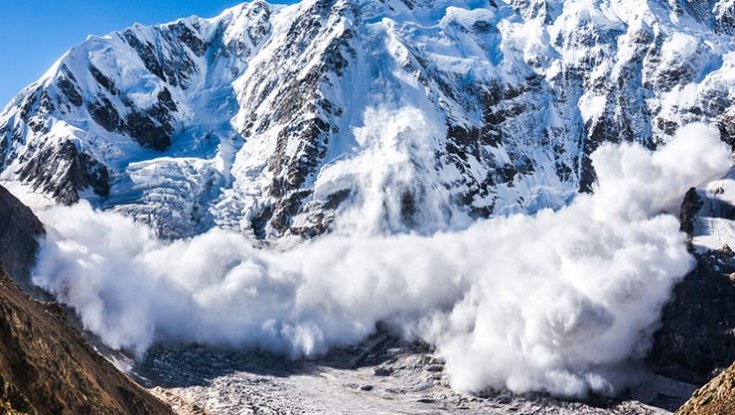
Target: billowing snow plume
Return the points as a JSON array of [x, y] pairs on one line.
[[559, 302]]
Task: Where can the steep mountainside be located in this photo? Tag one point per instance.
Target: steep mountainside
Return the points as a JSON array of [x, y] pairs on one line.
[[46, 367], [715, 398], [409, 114], [697, 335], [19, 230]]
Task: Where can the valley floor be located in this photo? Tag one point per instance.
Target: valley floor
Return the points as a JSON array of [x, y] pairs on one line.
[[382, 376]]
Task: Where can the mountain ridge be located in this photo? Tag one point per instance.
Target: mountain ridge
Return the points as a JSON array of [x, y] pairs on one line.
[[420, 116]]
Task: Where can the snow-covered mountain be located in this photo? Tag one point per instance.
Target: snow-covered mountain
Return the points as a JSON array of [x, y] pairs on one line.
[[385, 116]]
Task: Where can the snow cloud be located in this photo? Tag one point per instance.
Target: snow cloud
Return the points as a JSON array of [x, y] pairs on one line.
[[560, 301]]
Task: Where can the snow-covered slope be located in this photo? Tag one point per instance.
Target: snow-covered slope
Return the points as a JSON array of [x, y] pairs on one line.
[[388, 115]]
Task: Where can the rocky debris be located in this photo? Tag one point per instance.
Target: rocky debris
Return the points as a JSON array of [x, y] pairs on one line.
[[47, 368], [717, 397], [19, 233], [384, 374], [179, 405]]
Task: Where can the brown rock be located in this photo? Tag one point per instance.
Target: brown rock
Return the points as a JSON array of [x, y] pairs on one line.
[[47, 368], [715, 398]]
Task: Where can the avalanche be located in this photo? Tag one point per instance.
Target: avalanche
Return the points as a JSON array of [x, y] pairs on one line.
[[422, 162], [563, 301]]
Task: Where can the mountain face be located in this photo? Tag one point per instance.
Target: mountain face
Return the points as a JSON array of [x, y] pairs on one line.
[[19, 231], [696, 340], [407, 114]]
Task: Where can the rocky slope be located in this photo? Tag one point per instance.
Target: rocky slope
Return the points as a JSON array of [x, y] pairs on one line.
[[382, 375], [420, 114], [45, 365], [47, 368], [19, 231], [715, 398]]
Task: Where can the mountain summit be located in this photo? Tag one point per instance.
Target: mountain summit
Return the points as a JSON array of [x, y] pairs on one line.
[[409, 115]]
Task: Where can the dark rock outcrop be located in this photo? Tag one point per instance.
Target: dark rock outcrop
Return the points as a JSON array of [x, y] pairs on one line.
[[19, 231], [697, 335], [64, 171], [689, 209]]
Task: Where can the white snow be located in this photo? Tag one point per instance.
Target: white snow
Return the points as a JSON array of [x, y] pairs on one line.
[[558, 302], [398, 59]]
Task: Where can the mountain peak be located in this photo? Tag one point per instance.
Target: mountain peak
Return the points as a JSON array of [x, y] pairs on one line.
[[278, 120]]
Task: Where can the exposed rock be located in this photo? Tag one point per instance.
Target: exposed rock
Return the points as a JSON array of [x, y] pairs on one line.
[[697, 335], [45, 365], [147, 132], [715, 398], [105, 114], [689, 209], [19, 231], [63, 171], [47, 368]]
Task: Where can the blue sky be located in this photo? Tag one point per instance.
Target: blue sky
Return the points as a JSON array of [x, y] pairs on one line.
[[34, 33]]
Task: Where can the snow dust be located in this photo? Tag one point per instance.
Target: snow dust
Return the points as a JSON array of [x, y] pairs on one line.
[[562, 301]]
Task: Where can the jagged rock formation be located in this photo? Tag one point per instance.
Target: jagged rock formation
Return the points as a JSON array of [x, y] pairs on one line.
[[47, 368], [715, 398], [19, 230], [273, 120]]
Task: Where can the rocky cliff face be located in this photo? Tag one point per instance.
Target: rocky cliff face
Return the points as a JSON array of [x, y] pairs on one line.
[[19, 231], [697, 335], [420, 115]]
